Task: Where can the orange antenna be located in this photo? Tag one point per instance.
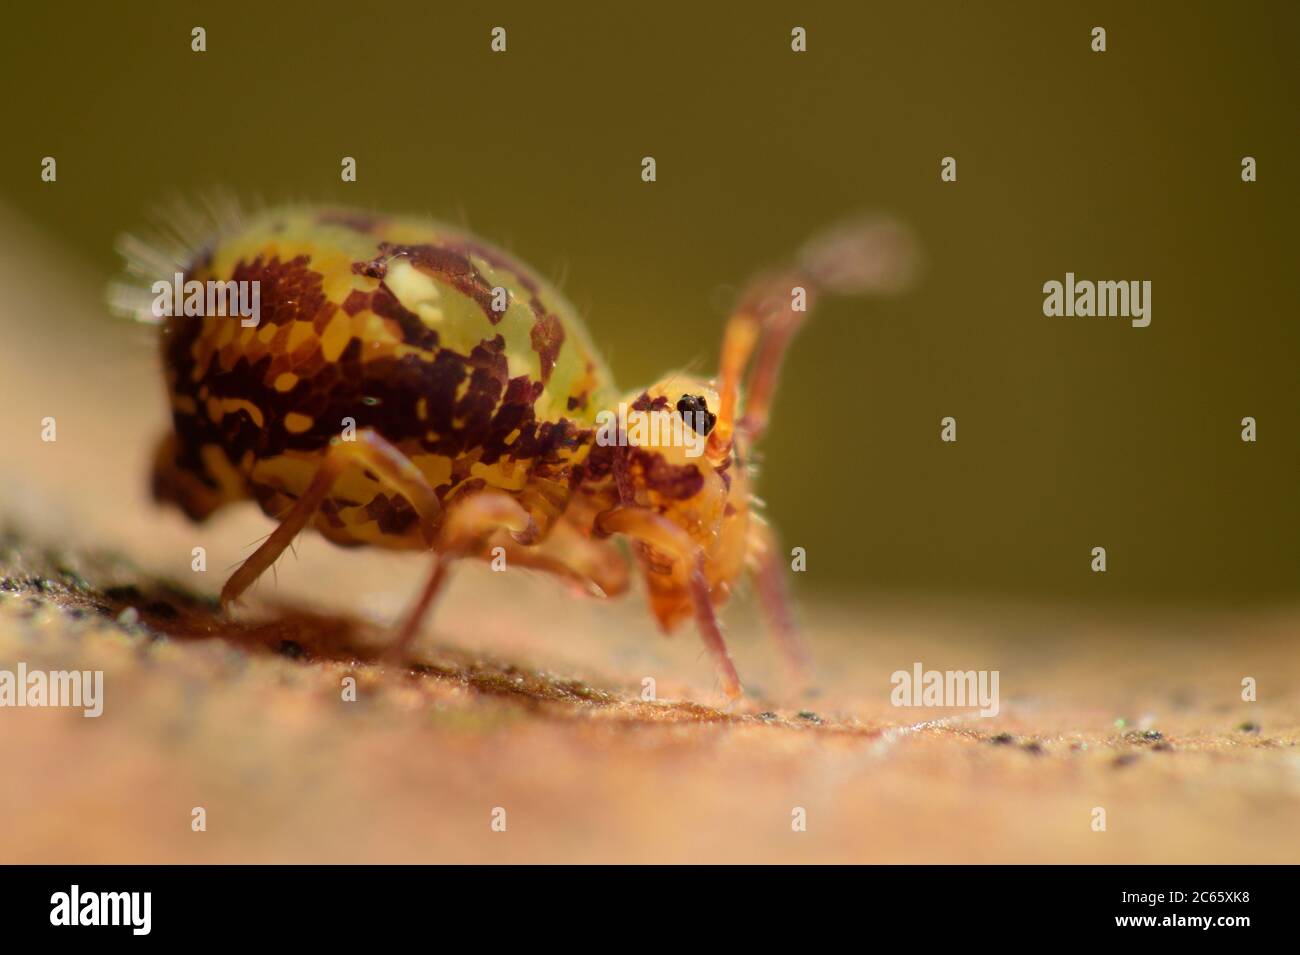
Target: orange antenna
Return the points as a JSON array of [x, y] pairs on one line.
[[870, 255]]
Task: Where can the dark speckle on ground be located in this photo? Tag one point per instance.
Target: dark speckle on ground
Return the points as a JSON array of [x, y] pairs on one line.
[[291, 649]]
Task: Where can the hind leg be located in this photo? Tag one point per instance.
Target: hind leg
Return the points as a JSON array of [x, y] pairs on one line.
[[369, 451]]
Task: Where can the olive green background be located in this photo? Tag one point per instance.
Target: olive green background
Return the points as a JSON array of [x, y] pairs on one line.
[[1124, 165]]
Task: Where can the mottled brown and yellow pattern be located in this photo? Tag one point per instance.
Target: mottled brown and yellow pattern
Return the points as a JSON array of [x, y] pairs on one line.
[[381, 323]]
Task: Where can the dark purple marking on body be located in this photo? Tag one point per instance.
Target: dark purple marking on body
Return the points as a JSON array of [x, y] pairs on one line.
[[547, 337], [451, 267], [356, 221], [645, 403]]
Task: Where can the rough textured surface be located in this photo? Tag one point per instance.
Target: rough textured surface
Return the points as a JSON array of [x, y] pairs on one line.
[[248, 721], [530, 699]]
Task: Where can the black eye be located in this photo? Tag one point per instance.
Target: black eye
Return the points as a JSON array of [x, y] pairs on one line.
[[695, 412]]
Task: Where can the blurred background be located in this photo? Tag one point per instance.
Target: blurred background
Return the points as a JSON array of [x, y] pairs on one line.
[[1072, 433]]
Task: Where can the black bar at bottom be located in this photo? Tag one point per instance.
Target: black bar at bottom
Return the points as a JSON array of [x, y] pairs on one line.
[[334, 904]]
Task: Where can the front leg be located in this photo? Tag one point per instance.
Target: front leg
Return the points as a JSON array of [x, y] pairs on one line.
[[768, 570], [651, 528]]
